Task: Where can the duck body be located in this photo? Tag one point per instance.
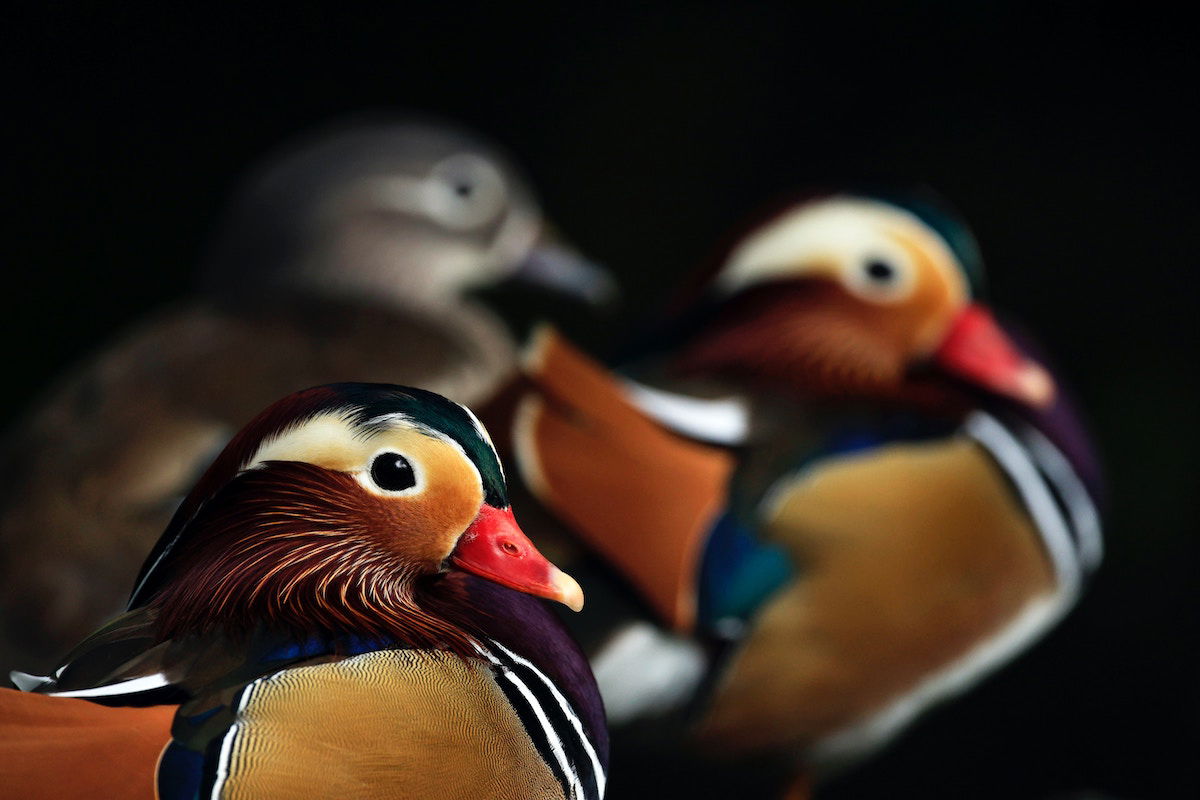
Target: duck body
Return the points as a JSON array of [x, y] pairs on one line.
[[837, 541], [349, 717], [298, 630]]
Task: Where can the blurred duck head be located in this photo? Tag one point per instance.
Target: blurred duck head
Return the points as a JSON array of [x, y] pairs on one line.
[[851, 296], [409, 212]]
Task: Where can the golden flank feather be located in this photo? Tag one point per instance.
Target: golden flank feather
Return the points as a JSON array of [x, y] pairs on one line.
[[396, 724], [882, 606]]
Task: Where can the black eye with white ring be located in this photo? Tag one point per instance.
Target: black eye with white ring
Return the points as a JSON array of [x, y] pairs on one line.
[[879, 271], [879, 277], [391, 471], [465, 190]]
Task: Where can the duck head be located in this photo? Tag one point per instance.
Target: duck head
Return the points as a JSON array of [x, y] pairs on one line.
[[850, 296], [333, 511], [408, 210]]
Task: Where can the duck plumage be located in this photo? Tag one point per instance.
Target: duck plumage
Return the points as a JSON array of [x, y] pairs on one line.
[[846, 491], [343, 604], [355, 253]]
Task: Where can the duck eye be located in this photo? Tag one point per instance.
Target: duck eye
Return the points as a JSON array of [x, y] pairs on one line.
[[880, 271], [464, 191], [879, 278], [391, 471]]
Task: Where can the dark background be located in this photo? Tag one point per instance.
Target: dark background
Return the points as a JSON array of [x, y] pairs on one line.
[[1063, 135]]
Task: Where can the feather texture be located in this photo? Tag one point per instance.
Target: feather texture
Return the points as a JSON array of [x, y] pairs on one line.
[[893, 519], [307, 626]]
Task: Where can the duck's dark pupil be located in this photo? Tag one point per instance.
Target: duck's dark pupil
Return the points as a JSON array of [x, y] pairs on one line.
[[392, 471], [463, 190], [880, 270]]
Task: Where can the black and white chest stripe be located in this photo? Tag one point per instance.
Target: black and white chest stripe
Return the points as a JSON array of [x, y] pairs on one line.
[[1052, 493], [547, 716], [216, 779], [550, 721], [1069, 524]]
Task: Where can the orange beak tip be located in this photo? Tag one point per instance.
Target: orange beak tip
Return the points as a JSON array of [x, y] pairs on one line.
[[977, 350], [567, 591], [1036, 385]]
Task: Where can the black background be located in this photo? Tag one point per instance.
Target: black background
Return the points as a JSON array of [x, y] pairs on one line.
[[1062, 134]]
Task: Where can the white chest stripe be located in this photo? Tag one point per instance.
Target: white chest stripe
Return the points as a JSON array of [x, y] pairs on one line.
[[1084, 516], [547, 728], [597, 770], [224, 760], [548, 731], [1014, 460], [1069, 559], [556, 744]]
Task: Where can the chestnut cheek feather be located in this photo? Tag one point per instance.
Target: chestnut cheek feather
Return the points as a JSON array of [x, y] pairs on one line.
[[818, 352], [301, 548]]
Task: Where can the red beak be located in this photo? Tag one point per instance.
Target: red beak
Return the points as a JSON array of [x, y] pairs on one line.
[[495, 547], [977, 350]]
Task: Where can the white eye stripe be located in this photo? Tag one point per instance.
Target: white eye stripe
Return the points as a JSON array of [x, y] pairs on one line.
[[390, 420], [839, 237], [298, 441], [339, 442], [387, 420]]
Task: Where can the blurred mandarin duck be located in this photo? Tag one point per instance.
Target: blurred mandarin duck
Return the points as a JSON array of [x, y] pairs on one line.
[[344, 606], [833, 490], [355, 254]]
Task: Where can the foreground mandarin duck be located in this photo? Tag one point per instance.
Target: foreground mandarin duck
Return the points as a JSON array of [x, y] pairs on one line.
[[344, 606], [355, 253], [830, 492]]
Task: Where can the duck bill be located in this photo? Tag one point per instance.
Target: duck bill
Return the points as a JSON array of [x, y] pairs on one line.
[[978, 351], [494, 547], [557, 266]]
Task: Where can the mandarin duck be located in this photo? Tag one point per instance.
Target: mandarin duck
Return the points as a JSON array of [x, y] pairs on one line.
[[832, 491], [354, 254], [343, 606]]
